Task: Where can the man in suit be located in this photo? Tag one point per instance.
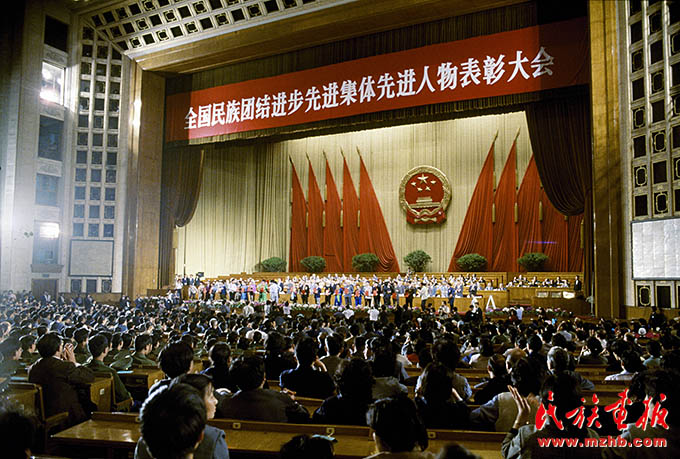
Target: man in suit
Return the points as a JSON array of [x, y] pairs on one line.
[[58, 374], [254, 403], [305, 380], [99, 348]]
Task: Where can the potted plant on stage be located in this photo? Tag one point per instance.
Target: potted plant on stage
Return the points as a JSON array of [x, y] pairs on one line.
[[472, 262], [314, 264], [273, 265], [533, 261], [417, 260], [365, 262]]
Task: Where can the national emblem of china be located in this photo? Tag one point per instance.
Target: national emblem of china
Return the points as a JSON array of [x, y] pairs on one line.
[[425, 193]]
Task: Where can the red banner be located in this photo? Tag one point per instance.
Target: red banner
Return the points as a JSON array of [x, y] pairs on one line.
[[525, 60]]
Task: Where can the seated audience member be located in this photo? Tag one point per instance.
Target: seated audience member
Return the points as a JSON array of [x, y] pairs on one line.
[[11, 356], [446, 352], [334, 346], [591, 353], [17, 433], [143, 345], [499, 412], [522, 438], [58, 374], [126, 342], [176, 359], [439, 405], [213, 444], [398, 431], [305, 380], [660, 386], [98, 346], [631, 363], [496, 383], [172, 423], [254, 403], [220, 359], [384, 367], [28, 352], [654, 350], [277, 356], [559, 361], [481, 359], [306, 447], [355, 383], [536, 356], [81, 352]]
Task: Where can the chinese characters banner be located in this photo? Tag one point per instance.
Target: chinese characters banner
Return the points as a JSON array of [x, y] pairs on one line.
[[525, 60]]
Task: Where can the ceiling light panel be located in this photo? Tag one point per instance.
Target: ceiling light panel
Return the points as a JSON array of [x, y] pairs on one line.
[[142, 26]]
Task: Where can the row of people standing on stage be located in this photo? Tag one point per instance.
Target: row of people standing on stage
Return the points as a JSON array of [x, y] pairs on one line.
[[334, 290]]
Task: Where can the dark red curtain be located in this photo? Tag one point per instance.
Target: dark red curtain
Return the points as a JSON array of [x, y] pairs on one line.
[[559, 130], [350, 213], [555, 236], [332, 231], [373, 234], [505, 228], [575, 249], [298, 229], [529, 234], [476, 235], [314, 215]]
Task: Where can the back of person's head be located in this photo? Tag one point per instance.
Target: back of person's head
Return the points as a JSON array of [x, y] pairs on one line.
[[116, 340], [334, 344], [486, 348], [26, 342], [566, 394], [384, 362], [436, 383], [80, 335], [306, 447], [355, 380], [630, 361], [219, 354], [523, 376], [172, 421], [198, 381], [558, 359], [9, 347], [127, 339], [142, 341], [176, 358], [446, 352], [456, 451], [558, 339], [97, 345], [595, 345], [48, 344], [397, 424], [654, 348], [496, 365], [534, 343], [248, 372], [17, 433], [306, 351]]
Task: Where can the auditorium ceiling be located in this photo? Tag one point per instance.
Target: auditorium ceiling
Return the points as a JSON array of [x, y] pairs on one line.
[[185, 36]]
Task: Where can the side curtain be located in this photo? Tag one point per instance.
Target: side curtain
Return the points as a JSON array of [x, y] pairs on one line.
[[504, 227], [560, 134], [315, 222], [298, 226], [373, 234], [476, 235], [332, 231], [350, 211], [181, 181], [530, 236]]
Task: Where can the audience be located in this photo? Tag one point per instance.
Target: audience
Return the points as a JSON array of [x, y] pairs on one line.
[[398, 430]]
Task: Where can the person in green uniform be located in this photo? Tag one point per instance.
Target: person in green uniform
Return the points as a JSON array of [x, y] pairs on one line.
[[99, 348]]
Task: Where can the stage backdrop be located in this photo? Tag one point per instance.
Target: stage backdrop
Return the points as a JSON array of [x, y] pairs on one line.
[[243, 213]]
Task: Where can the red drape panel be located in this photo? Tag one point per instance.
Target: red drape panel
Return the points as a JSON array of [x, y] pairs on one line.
[[298, 229], [575, 250], [350, 211], [530, 237], [476, 235], [315, 216], [373, 234], [505, 228], [555, 236], [332, 232]]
